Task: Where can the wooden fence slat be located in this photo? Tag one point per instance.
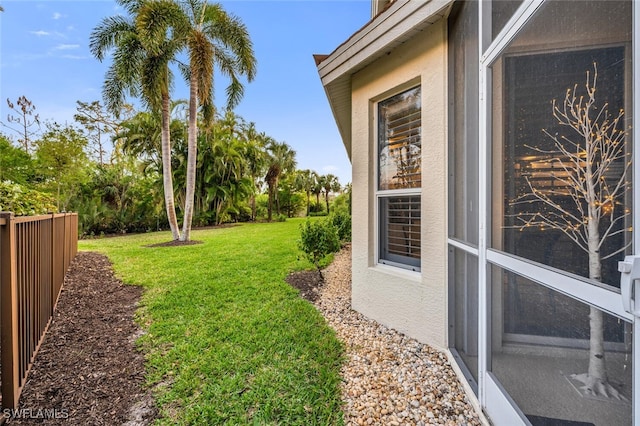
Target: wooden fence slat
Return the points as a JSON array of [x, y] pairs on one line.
[[35, 253], [9, 312]]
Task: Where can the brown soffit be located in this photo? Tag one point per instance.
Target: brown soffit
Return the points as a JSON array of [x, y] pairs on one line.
[[319, 58]]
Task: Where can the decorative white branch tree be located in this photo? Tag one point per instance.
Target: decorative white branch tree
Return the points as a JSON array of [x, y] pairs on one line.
[[589, 174]]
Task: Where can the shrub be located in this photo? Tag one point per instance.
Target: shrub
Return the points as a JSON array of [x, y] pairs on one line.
[[317, 240], [315, 207], [24, 201], [342, 221], [341, 204], [317, 214], [281, 218]]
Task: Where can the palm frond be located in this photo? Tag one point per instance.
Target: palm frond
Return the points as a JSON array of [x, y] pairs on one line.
[[108, 34], [229, 30], [162, 24]]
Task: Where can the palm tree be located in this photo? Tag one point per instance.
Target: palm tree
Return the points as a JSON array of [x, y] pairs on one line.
[[141, 68], [211, 37], [329, 183], [316, 188], [281, 160], [139, 137], [255, 155], [305, 181]]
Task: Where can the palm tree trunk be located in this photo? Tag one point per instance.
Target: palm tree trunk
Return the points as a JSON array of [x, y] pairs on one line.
[[192, 152], [253, 208], [270, 207], [167, 176], [275, 195]]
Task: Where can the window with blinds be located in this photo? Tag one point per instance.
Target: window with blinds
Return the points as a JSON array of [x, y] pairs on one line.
[[399, 179], [399, 144], [400, 231]]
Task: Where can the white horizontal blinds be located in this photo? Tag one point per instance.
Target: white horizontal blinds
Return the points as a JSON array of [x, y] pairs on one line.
[[399, 148], [400, 177], [400, 223]]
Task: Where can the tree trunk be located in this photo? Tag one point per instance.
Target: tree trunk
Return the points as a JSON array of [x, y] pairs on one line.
[[270, 205], [275, 195], [326, 199], [167, 176], [597, 368], [253, 208], [595, 381], [308, 203], [192, 152]]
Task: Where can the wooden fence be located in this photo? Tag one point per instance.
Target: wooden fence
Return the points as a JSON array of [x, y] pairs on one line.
[[35, 252]]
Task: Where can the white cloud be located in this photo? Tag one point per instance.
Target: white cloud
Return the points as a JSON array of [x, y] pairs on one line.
[[43, 33], [74, 57], [67, 46], [57, 15], [330, 169]]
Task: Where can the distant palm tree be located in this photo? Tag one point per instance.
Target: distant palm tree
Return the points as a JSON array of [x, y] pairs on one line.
[[211, 37], [281, 160], [317, 187], [140, 138], [141, 68], [306, 181], [329, 183], [255, 154]]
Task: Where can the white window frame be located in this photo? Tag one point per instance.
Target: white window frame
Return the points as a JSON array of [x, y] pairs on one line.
[[379, 194]]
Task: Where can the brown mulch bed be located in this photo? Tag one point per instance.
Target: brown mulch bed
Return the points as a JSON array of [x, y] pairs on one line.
[[88, 368], [308, 282]]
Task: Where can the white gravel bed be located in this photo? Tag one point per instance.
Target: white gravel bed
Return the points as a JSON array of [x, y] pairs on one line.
[[388, 378]]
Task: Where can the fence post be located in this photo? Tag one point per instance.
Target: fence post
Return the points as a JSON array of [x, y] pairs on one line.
[[53, 261], [9, 312]]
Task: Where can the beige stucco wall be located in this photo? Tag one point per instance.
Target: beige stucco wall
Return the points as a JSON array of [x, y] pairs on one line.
[[413, 303]]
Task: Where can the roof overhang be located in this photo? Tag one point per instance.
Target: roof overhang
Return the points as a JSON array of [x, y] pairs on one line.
[[391, 28]]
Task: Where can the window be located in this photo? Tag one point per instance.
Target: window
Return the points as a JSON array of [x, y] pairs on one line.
[[399, 179]]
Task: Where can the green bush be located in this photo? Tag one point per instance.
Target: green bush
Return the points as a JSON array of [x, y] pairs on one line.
[[318, 208], [317, 214], [318, 239], [342, 222], [341, 204], [281, 218], [23, 201]]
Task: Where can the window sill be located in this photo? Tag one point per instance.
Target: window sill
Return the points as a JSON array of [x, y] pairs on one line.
[[397, 272]]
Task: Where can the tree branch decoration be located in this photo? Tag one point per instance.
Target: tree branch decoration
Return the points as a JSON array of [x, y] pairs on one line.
[[584, 198]]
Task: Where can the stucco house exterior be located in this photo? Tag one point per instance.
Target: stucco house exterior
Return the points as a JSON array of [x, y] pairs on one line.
[[495, 196]]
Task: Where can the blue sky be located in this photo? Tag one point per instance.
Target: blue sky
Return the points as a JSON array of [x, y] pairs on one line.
[[44, 55]]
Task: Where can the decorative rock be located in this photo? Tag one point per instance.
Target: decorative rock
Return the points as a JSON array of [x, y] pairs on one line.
[[388, 378]]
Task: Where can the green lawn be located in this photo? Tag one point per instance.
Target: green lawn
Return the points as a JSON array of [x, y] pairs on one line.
[[228, 340]]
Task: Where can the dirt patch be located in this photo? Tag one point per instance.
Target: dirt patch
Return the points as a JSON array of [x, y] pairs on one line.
[[308, 282], [175, 243], [88, 371]]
